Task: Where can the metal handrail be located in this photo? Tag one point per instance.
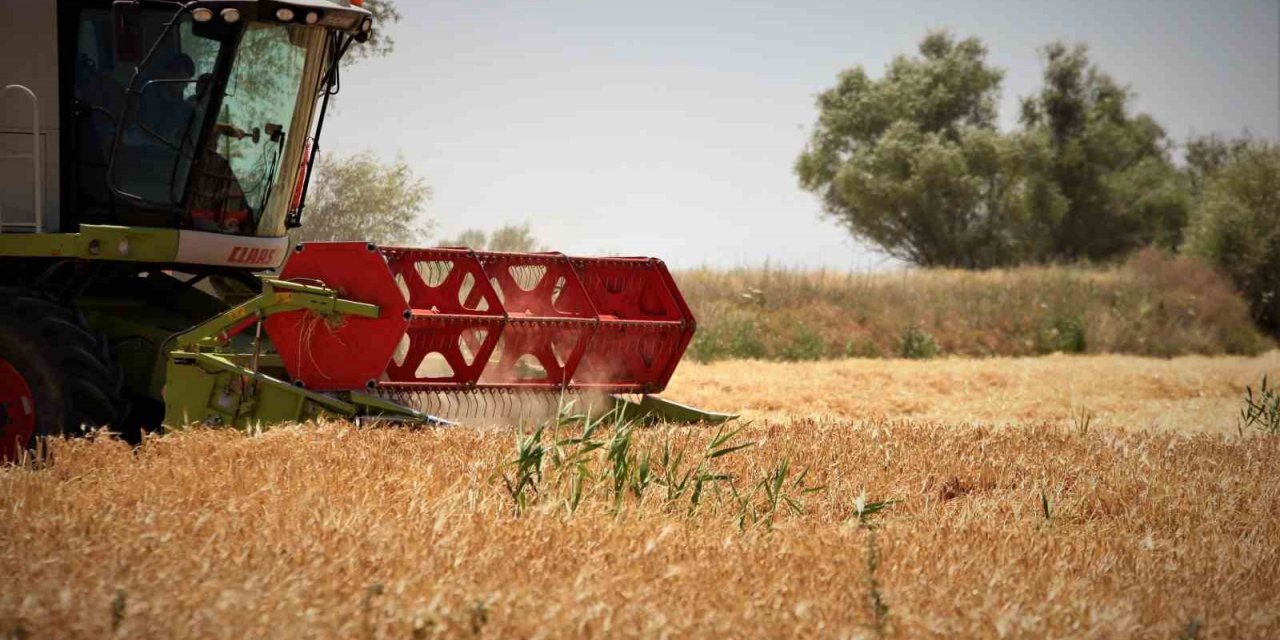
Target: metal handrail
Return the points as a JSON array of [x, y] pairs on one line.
[[36, 173]]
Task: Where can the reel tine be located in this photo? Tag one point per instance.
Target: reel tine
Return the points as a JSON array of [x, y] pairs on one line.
[[445, 403]]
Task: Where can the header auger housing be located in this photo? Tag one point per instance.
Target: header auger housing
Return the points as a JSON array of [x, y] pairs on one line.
[[148, 180]]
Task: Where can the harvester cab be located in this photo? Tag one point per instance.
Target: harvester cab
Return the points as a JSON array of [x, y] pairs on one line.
[[154, 156]]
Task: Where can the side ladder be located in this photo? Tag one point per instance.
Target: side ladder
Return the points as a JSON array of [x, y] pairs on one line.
[[37, 223]]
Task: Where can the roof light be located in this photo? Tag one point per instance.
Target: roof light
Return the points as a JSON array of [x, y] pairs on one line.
[[231, 15], [202, 14], [344, 20], [284, 15], [312, 17], [357, 3]]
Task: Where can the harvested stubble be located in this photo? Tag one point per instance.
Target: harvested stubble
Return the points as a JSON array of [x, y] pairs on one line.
[[1190, 393], [330, 531]]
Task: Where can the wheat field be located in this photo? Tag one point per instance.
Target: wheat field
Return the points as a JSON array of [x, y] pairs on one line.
[[1094, 497], [1187, 394], [1153, 304]]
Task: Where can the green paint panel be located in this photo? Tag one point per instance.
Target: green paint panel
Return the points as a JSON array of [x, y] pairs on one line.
[[209, 382], [203, 389], [38, 245], [95, 242], [664, 410]]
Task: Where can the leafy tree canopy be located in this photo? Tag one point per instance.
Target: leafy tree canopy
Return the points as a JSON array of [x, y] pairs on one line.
[[1112, 166], [360, 197], [380, 43], [1237, 218], [913, 162], [512, 237], [1206, 155]]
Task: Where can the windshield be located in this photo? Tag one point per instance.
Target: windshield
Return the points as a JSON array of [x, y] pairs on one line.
[[242, 174], [214, 136], [157, 145]]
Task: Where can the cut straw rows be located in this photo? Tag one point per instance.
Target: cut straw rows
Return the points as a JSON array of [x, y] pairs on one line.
[[1190, 393], [331, 531]]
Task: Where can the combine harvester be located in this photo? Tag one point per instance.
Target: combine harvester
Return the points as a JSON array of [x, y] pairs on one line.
[[154, 155]]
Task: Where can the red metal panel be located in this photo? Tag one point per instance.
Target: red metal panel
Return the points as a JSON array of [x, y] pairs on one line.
[[456, 313], [346, 352], [550, 319], [645, 324], [488, 320]]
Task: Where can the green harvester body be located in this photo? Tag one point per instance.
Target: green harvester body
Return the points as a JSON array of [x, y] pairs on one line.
[[161, 154]]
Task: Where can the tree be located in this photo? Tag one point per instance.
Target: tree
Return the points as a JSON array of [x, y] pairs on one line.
[[1236, 225], [1113, 168], [470, 239], [358, 197], [914, 163], [512, 237], [1206, 155], [379, 44]]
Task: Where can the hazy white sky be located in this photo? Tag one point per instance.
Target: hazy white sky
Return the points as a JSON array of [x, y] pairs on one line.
[[669, 129]]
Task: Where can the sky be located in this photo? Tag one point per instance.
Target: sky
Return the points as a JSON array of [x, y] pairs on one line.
[[669, 129]]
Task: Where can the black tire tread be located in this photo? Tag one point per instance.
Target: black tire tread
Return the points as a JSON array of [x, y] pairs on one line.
[[93, 382]]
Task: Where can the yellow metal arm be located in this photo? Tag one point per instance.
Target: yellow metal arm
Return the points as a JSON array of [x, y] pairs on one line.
[[278, 296]]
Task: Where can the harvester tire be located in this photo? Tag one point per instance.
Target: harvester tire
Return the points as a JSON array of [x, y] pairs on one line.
[[48, 354]]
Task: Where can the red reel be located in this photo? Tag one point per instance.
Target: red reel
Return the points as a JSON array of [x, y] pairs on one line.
[[456, 319]]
